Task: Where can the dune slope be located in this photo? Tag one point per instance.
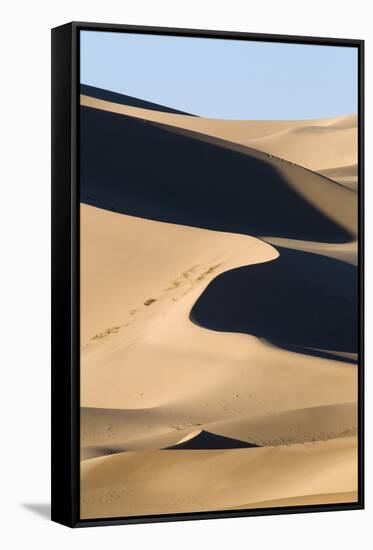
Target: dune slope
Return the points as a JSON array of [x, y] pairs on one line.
[[132, 167], [162, 482], [168, 375], [315, 144], [218, 311]]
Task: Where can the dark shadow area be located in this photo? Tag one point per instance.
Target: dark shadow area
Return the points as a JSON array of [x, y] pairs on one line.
[[133, 167], [42, 510], [107, 95], [315, 352], [208, 440], [301, 299]]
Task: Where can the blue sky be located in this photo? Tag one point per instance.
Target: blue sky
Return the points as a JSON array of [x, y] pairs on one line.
[[224, 78]]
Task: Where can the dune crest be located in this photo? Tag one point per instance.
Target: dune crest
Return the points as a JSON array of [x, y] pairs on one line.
[[195, 381], [303, 205], [218, 310], [315, 144], [234, 477]]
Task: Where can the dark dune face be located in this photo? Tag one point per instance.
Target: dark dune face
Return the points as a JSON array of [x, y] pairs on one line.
[[107, 95], [207, 440], [324, 354], [137, 168], [299, 299]]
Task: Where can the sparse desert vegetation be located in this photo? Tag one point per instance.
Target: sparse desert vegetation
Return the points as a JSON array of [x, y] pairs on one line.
[[107, 332], [149, 301]]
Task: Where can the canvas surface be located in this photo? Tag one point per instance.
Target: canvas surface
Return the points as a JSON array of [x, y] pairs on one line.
[[219, 294]]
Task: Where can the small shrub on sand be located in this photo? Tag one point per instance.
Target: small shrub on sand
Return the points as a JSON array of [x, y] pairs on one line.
[[149, 301]]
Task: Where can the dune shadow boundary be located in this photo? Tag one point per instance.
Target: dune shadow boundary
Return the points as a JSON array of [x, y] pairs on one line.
[[300, 298], [133, 167]]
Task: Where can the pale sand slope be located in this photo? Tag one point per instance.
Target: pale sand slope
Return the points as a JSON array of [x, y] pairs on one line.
[[346, 175], [151, 377], [167, 376], [163, 482], [324, 144], [337, 202], [155, 260], [108, 431], [345, 252]]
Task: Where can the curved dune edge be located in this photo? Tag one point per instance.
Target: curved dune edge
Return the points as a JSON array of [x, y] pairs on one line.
[[292, 140], [346, 175], [293, 426], [194, 440], [191, 379], [335, 201], [334, 144], [143, 349], [139, 483], [122, 99], [183, 259], [105, 432], [187, 377], [345, 252]]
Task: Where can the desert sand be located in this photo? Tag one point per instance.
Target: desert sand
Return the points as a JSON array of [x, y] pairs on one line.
[[185, 481], [168, 399], [311, 149], [327, 146]]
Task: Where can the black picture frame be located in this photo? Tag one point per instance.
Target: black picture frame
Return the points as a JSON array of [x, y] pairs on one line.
[[66, 273]]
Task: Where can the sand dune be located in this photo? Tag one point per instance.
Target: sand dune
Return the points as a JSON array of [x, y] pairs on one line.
[[218, 311], [105, 431], [183, 261], [318, 145], [268, 134], [160, 482], [345, 252], [293, 426], [346, 175], [238, 131], [255, 300], [303, 205], [114, 97], [174, 375], [336, 144]]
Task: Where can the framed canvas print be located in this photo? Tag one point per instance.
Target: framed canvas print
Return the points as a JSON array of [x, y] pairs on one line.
[[207, 274]]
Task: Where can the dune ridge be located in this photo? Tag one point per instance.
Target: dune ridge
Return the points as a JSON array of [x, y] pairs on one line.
[[317, 208], [296, 141], [234, 477], [153, 381], [320, 192], [209, 386]]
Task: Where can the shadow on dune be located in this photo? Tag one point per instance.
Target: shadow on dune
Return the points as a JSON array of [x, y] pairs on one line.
[[133, 167], [317, 353], [300, 299], [207, 440], [202, 441]]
